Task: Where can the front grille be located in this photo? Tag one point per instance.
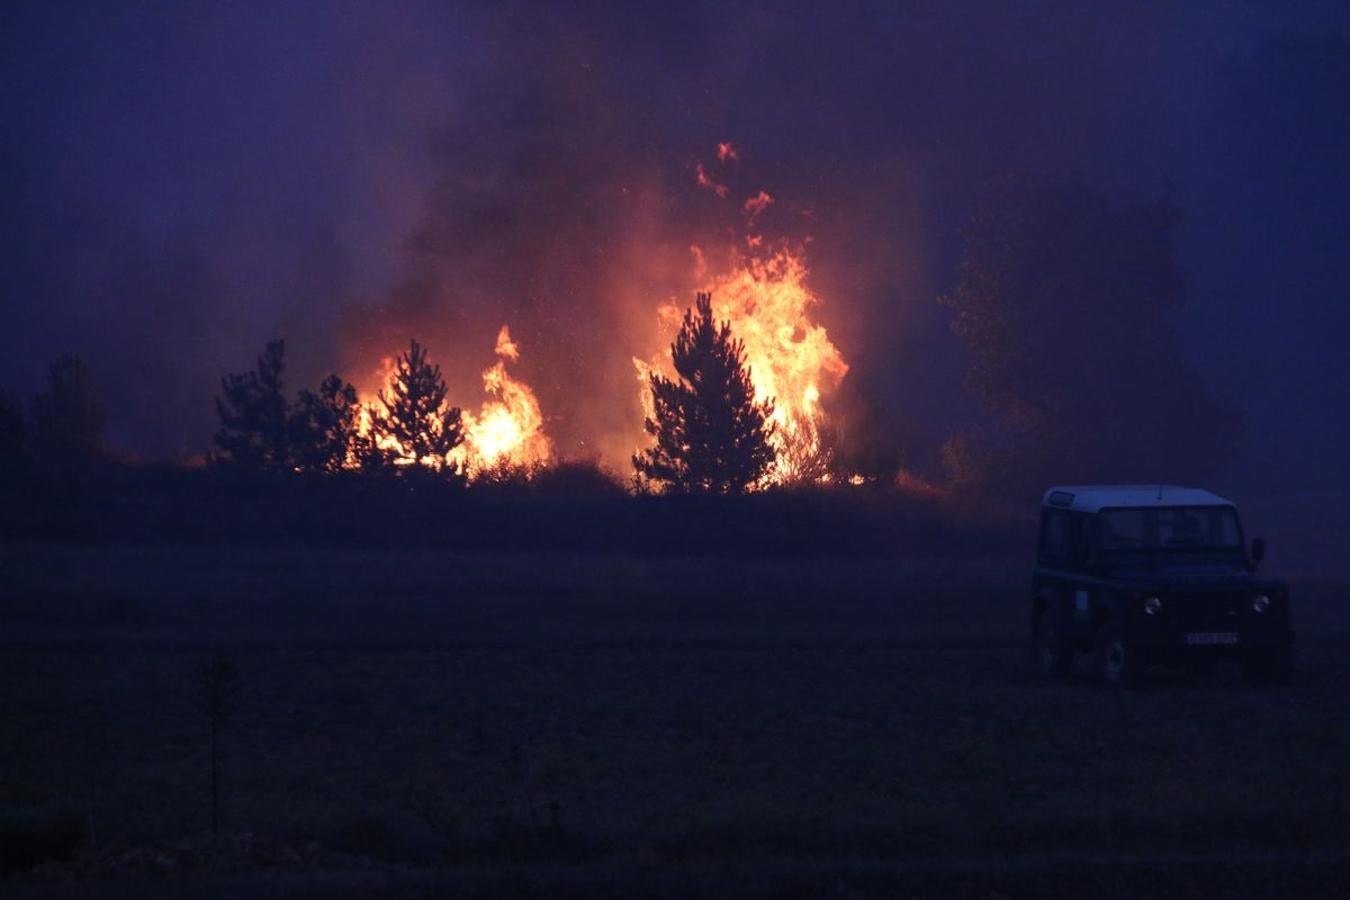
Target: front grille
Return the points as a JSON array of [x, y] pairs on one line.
[[1206, 612]]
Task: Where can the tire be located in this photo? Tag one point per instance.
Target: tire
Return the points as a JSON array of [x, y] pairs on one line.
[[1054, 655], [1273, 665], [1118, 663]]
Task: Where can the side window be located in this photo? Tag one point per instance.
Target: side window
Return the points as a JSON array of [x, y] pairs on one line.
[[1066, 538], [1080, 536], [1056, 537]]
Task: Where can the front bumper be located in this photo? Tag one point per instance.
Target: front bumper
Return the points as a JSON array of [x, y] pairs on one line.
[[1217, 623]]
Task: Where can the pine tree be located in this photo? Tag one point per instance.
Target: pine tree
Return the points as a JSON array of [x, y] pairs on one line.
[[253, 414], [711, 435], [413, 415], [323, 426], [366, 455], [67, 418]]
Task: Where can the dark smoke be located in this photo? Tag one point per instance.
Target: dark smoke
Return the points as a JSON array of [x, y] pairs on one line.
[[188, 184]]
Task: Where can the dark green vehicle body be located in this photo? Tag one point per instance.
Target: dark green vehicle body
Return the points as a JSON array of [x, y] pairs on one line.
[[1147, 575]]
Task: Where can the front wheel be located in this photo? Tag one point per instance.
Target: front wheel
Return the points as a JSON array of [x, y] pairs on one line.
[[1054, 655], [1273, 665], [1117, 662]]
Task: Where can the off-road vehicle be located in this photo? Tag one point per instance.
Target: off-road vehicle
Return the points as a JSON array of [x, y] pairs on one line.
[[1138, 575]]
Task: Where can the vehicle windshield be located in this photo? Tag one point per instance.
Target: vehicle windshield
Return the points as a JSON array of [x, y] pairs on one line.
[[1171, 528]]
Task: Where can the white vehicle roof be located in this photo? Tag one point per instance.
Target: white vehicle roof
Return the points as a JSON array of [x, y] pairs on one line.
[[1096, 497]]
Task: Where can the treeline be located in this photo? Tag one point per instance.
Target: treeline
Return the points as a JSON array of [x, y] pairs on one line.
[[319, 468], [709, 434], [285, 482], [59, 434], [410, 423], [1065, 301]]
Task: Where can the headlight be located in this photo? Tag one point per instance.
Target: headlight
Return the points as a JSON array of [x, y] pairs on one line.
[[1152, 605], [1260, 603]]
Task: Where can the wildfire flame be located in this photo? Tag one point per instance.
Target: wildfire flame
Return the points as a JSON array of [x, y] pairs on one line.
[[791, 359], [365, 424], [759, 287], [707, 182], [508, 429], [764, 297]]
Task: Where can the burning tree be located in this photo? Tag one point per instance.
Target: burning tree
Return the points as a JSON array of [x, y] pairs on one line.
[[410, 422], [766, 300], [323, 426], [253, 414], [711, 435]]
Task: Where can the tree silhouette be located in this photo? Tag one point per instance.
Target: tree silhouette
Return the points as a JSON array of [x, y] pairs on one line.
[[1066, 301], [711, 435], [253, 414], [412, 423], [13, 439], [366, 455], [67, 419], [323, 426]]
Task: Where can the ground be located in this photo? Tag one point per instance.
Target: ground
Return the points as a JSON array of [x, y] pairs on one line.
[[431, 723]]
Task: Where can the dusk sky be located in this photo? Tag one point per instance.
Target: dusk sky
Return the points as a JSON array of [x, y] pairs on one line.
[[183, 182]]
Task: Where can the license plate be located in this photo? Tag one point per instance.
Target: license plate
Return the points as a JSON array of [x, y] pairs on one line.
[[1210, 638]]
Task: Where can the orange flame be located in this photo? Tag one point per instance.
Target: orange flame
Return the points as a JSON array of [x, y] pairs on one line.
[[755, 206], [707, 182], [791, 358], [508, 430], [365, 423]]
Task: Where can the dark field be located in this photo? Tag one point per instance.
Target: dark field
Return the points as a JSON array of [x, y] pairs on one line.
[[431, 724]]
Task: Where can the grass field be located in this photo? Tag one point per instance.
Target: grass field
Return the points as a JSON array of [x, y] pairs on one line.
[[428, 724]]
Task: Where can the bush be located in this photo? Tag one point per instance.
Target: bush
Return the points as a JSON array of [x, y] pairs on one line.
[[578, 479], [573, 508]]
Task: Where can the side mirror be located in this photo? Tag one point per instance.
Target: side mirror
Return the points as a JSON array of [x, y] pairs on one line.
[[1258, 549]]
